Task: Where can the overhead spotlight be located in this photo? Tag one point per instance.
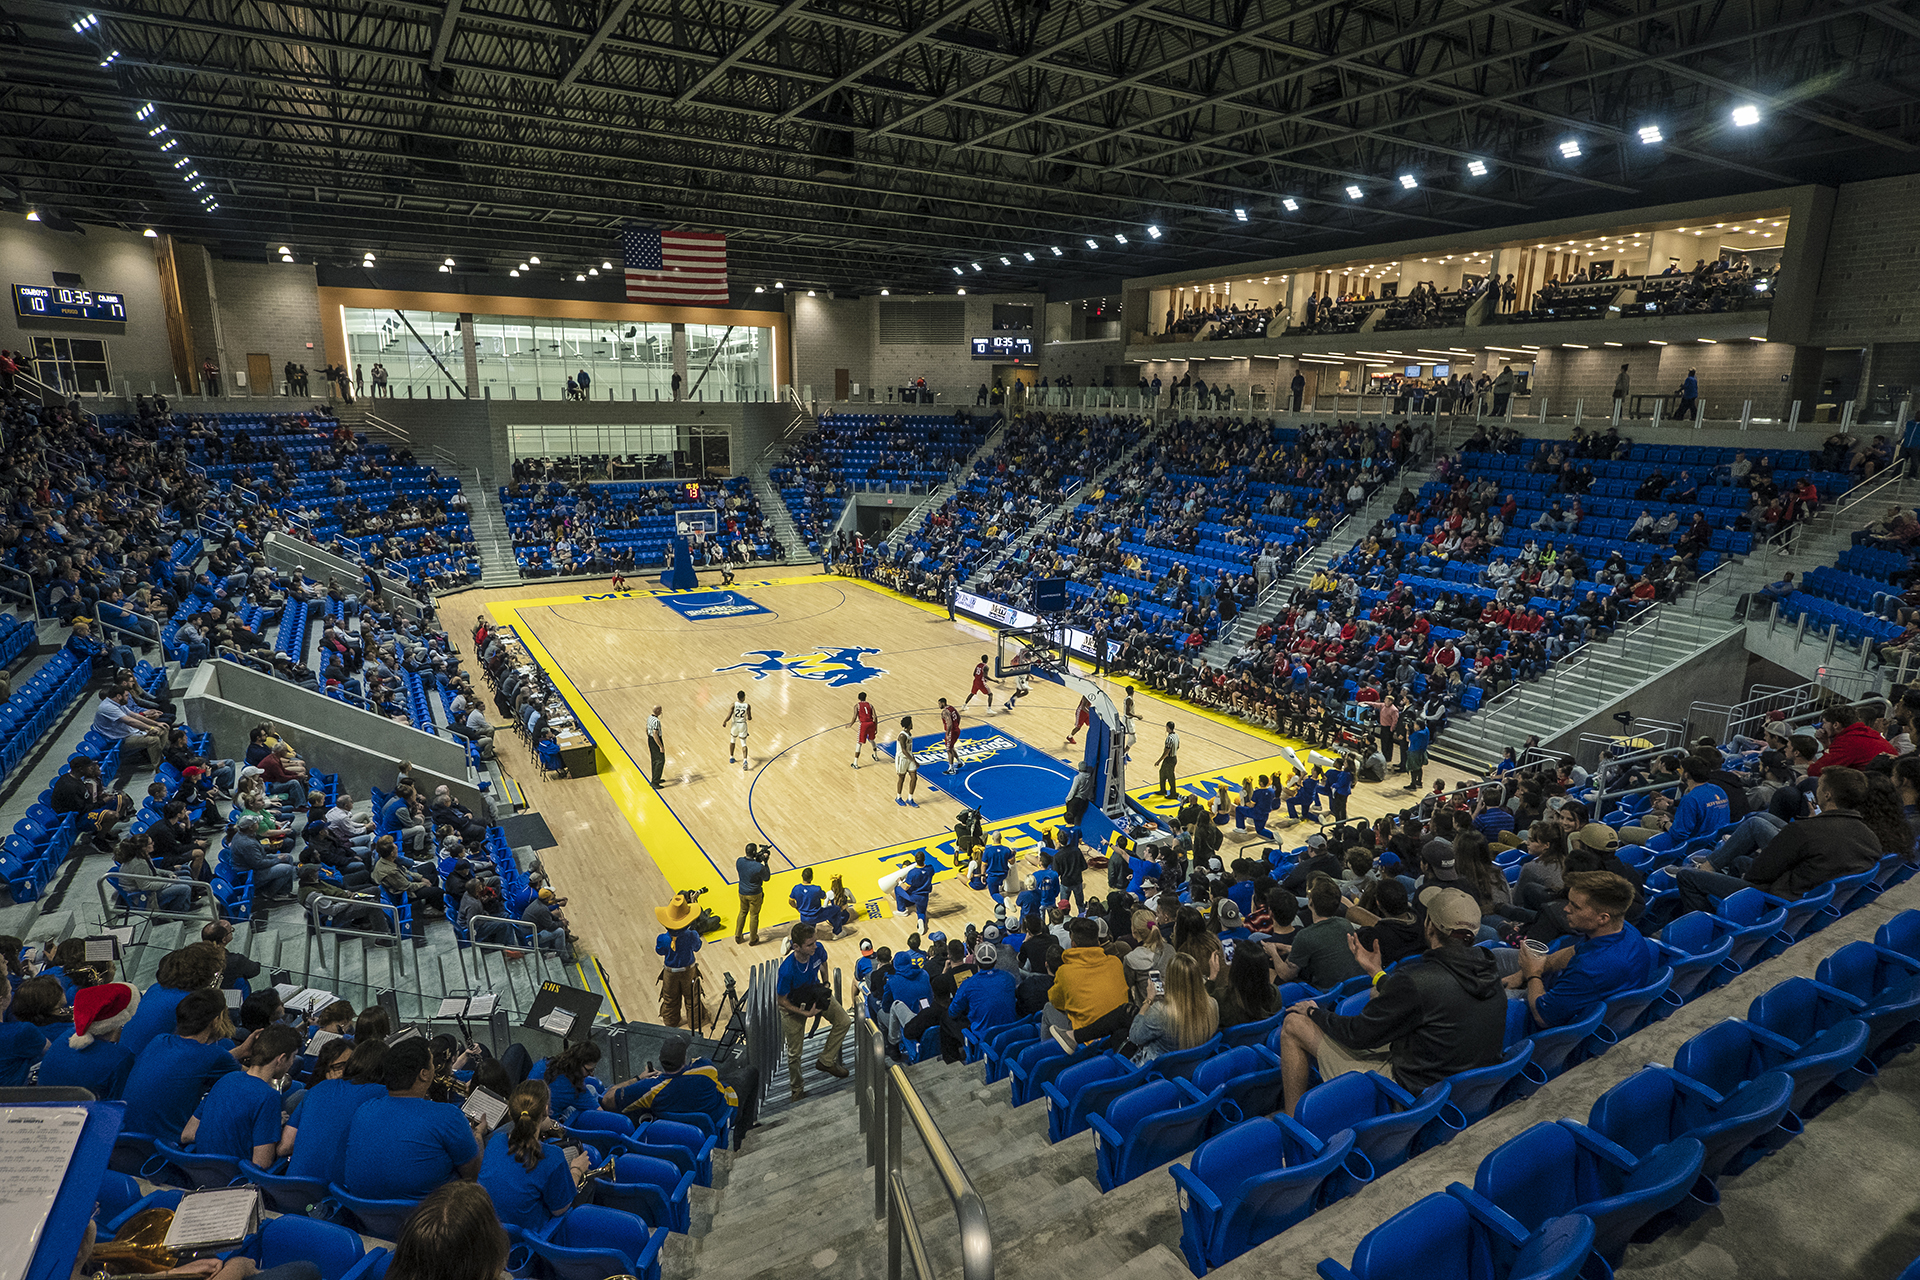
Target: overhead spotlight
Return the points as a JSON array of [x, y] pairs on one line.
[[1651, 134], [779, 284], [1153, 233], [109, 59], [759, 288], [515, 273], [522, 267], [284, 250], [87, 23], [579, 275], [961, 292], [1006, 262], [445, 270], [1570, 149], [1056, 251], [151, 234], [1408, 181], [534, 261], [449, 261], [144, 112], [286, 257], [593, 271], [606, 266], [156, 131], [957, 271], [1028, 256], [976, 266], [1122, 239], [182, 162], [1240, 215], [170, 144], [1354, 193], [33, 215], [1290, 205], [1093, 244], [886, 293], [809, 293]]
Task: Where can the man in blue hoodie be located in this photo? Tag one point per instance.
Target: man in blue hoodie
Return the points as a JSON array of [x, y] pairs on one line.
[[911, 991], [984, 1001]]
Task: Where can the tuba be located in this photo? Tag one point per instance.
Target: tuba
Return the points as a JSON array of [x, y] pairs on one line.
[[137, 1249]]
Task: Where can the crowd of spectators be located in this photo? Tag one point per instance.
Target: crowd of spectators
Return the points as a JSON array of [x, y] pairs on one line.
[[563, 528], [1222, 323]]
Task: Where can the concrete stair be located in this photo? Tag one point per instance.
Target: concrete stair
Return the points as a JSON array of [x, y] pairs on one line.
[[498, 566], [1044, 527], [775, 507], [798, 1202]]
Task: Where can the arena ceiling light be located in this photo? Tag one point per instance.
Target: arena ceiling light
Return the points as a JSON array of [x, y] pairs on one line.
[[145, 111], [759, 288], [779, 284], [961, 292], [606, 266], [1610, 344], [87, 23], [957, 271], [1570, 149], [1093, 244], [151, 234], [976, 266], [580, 275], [515, 273], [885, 293], [1408, 181], [1651, 134], [1656, 342], [170, 144], [1056, 251], [1478, 168], [1746, 115], [1028, 255], [1354, 193], [1153, 233], [445, 269], [534, 261], [286, 257], [1006, 262], [1290, 205], [1240, 215], [1120, 238]]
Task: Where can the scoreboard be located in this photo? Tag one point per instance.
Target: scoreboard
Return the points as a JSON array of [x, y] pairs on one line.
[[52, 302]]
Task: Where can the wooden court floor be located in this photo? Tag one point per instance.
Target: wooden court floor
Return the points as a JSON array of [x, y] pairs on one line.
[[624, 848]]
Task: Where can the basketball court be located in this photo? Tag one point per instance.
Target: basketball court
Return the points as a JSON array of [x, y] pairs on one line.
[[803, 648]]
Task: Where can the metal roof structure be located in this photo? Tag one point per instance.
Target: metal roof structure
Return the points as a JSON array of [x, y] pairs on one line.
[[855, 144]]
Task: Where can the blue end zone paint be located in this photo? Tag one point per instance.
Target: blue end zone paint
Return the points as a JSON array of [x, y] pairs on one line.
[[1001, 776], [706, 606]]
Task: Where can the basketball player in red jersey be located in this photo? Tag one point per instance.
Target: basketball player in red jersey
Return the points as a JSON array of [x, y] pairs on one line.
[[1082, 716], [950, 721], [980, 670], [864, 718]]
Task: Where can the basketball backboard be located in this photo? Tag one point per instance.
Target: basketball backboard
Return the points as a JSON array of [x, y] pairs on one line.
[[690, 521]]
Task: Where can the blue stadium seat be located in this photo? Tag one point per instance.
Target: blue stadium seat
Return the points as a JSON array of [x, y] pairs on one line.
[[1145, 1128], [1245, 1186], [1557, 1168], [1457, 1234]]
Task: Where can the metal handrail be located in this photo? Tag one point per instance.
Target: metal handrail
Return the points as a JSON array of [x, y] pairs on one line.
[[976, 1238]]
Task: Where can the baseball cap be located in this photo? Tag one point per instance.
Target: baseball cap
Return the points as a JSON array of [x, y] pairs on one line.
[[1450, 909], [252, 771], [1440, 864], [866, 946], [1213, 864], [991, 933], [1597, 836], [1557, 803], [1229, 913], [985, 953], [936, 936]]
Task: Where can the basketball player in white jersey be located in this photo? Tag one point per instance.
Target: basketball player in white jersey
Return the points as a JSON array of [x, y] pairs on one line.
[[906, 769], [1020, 689], [737, 718]]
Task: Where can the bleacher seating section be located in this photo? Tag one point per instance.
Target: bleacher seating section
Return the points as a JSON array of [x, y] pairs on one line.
[[649, 538]]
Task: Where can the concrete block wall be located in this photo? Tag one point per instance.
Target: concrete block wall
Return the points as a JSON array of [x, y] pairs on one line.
[[846, 333], [106, 259], [1729, 374], [828, 334], [273, 309], [1870, 282]]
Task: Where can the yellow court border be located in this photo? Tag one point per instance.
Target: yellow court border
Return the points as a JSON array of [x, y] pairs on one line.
[[678, 854]]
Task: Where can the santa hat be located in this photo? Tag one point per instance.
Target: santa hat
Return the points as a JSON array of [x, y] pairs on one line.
[[101, 1010]]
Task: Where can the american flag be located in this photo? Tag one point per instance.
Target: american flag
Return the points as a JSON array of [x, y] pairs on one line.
[[674, 266]]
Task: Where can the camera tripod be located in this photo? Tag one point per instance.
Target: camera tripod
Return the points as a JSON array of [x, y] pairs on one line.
[[728, 1006]]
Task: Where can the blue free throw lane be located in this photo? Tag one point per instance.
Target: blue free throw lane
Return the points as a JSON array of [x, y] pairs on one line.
[[1001, 776]]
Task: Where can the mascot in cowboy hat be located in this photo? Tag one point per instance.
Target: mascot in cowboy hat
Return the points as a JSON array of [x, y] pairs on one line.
[[679, 950]]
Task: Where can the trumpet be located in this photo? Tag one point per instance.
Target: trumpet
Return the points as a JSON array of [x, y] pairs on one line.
[[137, 1248]]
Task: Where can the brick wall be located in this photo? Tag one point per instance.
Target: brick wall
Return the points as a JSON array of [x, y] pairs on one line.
[[270, 309], [1870, 283], [106, 259]]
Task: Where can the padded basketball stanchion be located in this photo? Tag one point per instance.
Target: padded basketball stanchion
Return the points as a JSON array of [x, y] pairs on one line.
[[681, 576]]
